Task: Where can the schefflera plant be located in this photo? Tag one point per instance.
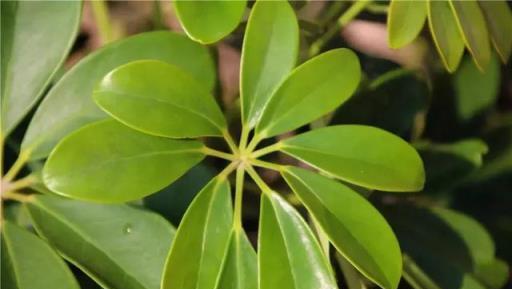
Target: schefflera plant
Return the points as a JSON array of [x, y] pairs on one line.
[[159, 111]]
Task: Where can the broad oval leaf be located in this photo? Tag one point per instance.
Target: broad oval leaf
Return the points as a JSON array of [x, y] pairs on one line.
[[362, 155], [202, 240], [405, 21], [178, 105], [445, 33], [498, 16], [209, 21], [313, 89], [289, 255], [352, 224], [31, 29], [269, 53], [30, 263], [118, 246], [473, 28], [69, 105], [240, 270], [109, 162]]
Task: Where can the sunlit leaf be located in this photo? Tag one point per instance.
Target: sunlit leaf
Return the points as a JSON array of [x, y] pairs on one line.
[[405, 21], [494, 275], [499, 23]]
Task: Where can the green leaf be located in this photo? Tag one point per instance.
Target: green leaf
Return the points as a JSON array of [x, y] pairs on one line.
[[473, 28], [289, 255], [30, 263], [493, 275], [269, 53], [202, 240], [362, 155], [445, 33], [118, 246], [405, 21], [31, 30], [313, 89], [180, 106], [499, 22], [352, 227], [240, 270], [209, 21], [69, 105], [109, 162]]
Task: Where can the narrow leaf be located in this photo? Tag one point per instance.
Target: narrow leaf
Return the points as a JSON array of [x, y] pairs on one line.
[[30, 263], [118, 246], [405, 21], [179, 105], [473, 28], [209, 21], [313, 89], [352, 227], [202, 240], [499, 23], [269, 53], [69, 105], [109, 162], [445, 33], [289, 255], [362, 155], [30, 30]]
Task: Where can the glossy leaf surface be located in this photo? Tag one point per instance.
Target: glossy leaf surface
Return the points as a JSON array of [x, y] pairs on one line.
[[405, 21], [269, 53], [289, 255], [352, 224], [31, 29], [69, 105], [160, 99], [202, 240], [30, 263], [240, 269], [445, 33], [499, 23], [109, 162], [473, 28], [119, 246], [313, 89], [362, 155], [209, 21]]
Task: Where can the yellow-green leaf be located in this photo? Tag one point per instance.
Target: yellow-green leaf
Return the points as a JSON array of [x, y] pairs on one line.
[[405, 21], [499, 23]]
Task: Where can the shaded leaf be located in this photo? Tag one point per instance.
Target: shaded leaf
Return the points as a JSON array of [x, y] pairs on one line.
[[69, 105], [493, 275], [289, 255], [313, 89], [499, 23], [352, 225], [31, 29], [117, 245], [405, 21], [202, 240], [179, 105], [269, 53], [209, 21], [109, 162], [362, 155], [30, 263]]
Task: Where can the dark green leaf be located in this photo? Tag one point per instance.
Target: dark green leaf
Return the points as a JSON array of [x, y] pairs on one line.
[[117, 245], [109, 162], [209, 21], [405, 21], [363, 155], [269, 53], [202, 240], [69, 104], [493, 275], [445, 33], [36, 38], [29, 263], [499, 23], [313, 89], [289, 255], [352, 224], [179, 105]]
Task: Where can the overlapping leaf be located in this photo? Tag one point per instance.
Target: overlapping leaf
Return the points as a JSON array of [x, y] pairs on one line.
[[405, 21], [499, 23]]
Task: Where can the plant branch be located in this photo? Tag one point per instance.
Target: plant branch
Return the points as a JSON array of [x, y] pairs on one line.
[[258, 180], [266, 150], [14, 196], [227, 170], [229, 140], [244, 136], [267, 165], [254, 142], [19, 184], [17, 166], [215, 153], [239, 189]]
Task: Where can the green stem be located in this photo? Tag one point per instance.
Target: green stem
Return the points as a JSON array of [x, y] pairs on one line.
[[21, 183], [266, 150], [258, 180], [212, 152], [22, 198], [254, 142], [1, 154], [227, 170], [244, 136], [267, 165], [17, 166], [239, 189], [100, 11], [229, 140]]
